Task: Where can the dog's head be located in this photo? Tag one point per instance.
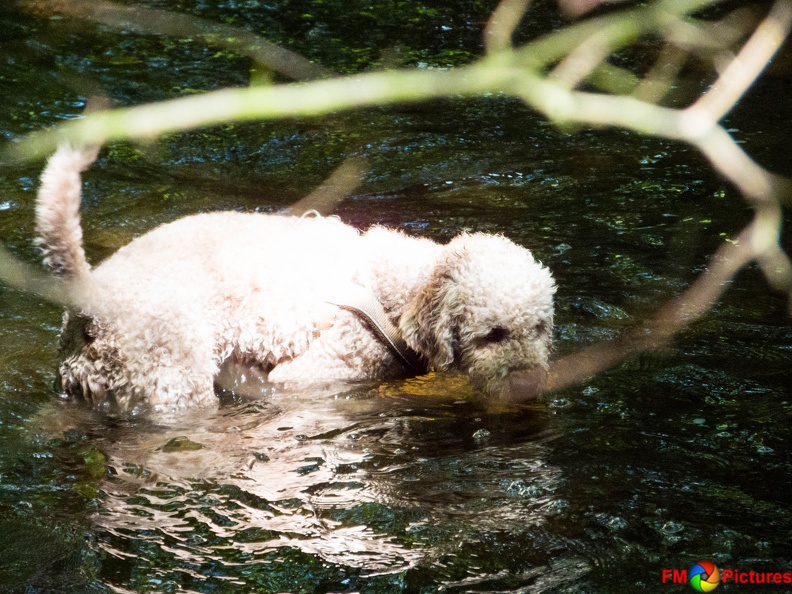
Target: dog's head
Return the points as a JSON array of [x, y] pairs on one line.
[[487, 309]]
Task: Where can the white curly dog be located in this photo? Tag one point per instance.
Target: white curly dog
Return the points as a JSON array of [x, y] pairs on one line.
[[298, 299]]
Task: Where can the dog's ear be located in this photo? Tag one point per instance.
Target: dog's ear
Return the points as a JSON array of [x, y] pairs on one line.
[[430, 323]]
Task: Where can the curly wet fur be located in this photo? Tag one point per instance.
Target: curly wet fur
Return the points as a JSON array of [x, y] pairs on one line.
[[164, 312]]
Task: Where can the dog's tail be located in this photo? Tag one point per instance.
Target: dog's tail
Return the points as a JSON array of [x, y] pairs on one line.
[[58, 212]]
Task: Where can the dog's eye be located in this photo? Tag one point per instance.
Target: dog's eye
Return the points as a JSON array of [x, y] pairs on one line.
[[496, 335]]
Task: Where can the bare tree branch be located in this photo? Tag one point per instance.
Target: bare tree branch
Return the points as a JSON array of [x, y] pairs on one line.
[[502, 23], [661, 77], [22, 277], [585, 58], [749, 63], [659, 330], [341, 182], [161, 22]]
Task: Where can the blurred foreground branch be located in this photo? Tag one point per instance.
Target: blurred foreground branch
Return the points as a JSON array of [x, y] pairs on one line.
[[161, 22], [520, 72], [657, 332], [547, 75], [26, 278]]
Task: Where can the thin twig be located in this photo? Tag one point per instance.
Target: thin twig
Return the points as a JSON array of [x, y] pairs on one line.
[[756, 184], [342, 181], [740, 74], [502, 24], [584, 59], [662, 75]]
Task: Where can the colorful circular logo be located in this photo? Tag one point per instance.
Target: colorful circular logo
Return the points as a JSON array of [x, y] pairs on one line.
[[704, 576]]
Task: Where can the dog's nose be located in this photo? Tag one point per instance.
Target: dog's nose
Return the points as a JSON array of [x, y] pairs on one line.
[[524, 385]]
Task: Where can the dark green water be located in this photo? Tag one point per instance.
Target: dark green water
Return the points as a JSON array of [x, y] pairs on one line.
[[410, 486]]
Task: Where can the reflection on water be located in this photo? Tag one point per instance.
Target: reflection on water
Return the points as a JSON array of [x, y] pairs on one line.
[[374, 480]]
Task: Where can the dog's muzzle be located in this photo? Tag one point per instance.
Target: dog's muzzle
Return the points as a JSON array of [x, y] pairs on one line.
[[523, 385]]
